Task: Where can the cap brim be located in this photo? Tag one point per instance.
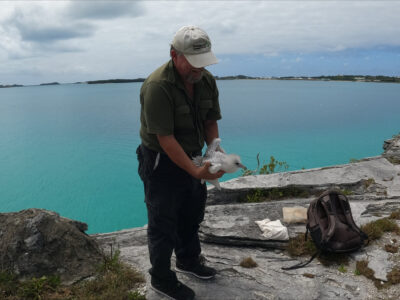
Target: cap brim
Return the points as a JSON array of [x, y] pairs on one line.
[[201, 60]]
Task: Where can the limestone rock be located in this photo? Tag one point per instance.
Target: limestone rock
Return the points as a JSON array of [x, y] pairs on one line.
[[229, 234], [37, 242], [392, 150]]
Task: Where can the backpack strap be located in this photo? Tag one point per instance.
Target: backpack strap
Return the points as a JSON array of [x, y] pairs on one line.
[[302, 264], [344, 202], [330, 210]]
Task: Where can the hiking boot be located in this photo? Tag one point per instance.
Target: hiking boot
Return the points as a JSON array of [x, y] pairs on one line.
[[174, 290], [196, 268]]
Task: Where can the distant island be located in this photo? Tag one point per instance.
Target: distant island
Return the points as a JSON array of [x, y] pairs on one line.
[[238, 77], [10, 85], [356, 78], [115, 81], [50, 83]]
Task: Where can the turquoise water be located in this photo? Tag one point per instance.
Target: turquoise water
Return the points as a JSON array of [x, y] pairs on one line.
[[71, 148]]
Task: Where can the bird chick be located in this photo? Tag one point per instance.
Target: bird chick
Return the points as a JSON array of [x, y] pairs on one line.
[[229, 163]]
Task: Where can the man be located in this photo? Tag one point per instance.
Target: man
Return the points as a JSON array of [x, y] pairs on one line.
[[179, 112]]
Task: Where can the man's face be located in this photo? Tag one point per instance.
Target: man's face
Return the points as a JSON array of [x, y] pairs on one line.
[[188, 73]]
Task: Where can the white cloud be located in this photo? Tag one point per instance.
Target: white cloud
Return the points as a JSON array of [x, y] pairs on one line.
[[129, 39], [103, 10]]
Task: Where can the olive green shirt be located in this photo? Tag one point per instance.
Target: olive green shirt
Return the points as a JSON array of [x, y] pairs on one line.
[[166, 109]]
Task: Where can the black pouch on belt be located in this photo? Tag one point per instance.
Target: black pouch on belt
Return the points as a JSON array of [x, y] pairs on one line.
[[146, 159]]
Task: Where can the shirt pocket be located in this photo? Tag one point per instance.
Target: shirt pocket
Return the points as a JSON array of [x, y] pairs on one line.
[[205, 106], [183, 118]]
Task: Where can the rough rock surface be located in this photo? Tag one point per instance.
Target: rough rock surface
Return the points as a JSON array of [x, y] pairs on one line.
[[392, 149], [229, 234], [37, 242]]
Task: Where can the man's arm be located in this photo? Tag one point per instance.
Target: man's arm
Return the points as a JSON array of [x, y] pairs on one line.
[[210, 130], [175, 152]]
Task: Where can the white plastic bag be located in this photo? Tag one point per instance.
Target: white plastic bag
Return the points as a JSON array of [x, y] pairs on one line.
[[273, 230]]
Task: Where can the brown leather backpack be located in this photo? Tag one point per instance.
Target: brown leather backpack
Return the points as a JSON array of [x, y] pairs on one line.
[[331, 226]]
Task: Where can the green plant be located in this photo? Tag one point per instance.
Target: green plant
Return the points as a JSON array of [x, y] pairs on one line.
[[8, 283], [255, 196], [342, 269], [347, 192], [111, 262], [114, 280], [354, 160], [375, 229], [273, 166], [36, 288], [277, 193], [298, 246], [136, 296]]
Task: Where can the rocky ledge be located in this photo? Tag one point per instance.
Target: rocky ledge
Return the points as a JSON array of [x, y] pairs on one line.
[[229, 234], [37, 242]]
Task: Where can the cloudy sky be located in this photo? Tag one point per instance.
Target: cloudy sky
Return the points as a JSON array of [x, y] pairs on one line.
[[70, 41]]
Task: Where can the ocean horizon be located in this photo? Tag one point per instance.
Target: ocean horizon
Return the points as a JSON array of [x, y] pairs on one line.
[[70, 148]]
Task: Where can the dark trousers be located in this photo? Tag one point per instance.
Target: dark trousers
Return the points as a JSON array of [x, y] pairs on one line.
[[175, 205]]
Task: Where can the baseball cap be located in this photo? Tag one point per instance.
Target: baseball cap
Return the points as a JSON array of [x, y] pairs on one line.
[[195, 45]]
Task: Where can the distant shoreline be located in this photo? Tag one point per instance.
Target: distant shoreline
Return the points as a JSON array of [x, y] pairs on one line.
[[351, 78]]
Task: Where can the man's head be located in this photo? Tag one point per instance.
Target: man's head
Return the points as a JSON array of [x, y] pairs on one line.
[[191, 52]]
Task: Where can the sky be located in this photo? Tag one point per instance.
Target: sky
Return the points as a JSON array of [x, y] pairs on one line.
[[73, 41]]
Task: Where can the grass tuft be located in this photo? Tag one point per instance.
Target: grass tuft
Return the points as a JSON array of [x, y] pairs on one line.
[[369, 182], [263, 195], [298, 246], [375, 229], [363, 269], [391, 248], [114, 280], [395, 215], [394, 276], [248, 262], [342, 269]]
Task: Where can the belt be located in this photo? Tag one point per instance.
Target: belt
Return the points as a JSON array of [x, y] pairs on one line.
[[190, 154]]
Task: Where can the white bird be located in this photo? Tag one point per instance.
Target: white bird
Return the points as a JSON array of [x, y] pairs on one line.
[[229, 163]]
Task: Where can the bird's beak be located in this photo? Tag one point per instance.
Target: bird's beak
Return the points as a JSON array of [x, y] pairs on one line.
[[242, 166]]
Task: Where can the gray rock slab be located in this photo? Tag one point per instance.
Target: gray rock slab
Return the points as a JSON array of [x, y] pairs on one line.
[[36, 242], [385, 175], [392, 149], [234, 224], [266, 281], [380, 263]]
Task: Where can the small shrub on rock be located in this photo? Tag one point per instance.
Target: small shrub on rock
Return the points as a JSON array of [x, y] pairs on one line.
[[248, 262]]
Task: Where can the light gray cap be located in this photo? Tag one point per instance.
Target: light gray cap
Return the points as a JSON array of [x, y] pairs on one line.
[[195, 45]]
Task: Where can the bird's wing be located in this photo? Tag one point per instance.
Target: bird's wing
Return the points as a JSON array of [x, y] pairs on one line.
[[198, 161], [212, 148]]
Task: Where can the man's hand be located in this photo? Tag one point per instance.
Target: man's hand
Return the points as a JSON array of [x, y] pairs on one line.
[[203, 173], [179, 157]]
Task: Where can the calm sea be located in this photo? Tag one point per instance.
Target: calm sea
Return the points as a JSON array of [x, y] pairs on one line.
[[71, 148]]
